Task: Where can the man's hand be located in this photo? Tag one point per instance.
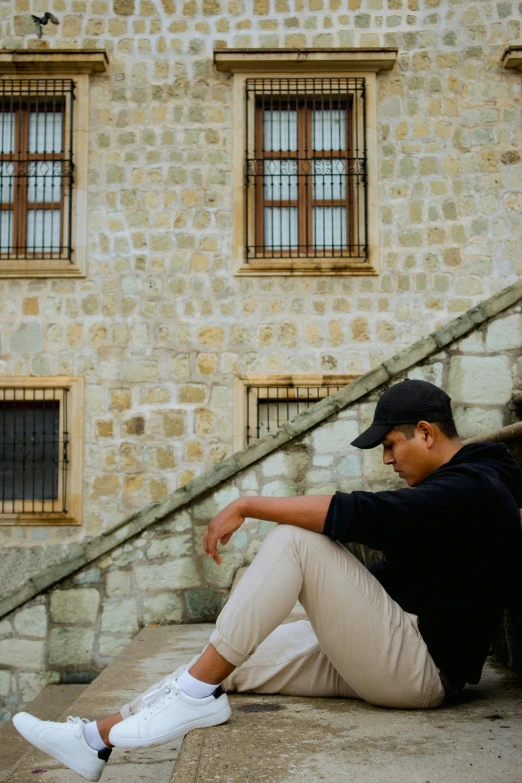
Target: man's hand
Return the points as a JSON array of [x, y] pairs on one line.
[[308, 511], [221, 529]]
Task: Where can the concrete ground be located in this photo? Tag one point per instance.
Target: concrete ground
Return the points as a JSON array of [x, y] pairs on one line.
[[278, 739]]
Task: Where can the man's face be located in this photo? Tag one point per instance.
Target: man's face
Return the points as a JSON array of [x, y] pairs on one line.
[[411, 459]]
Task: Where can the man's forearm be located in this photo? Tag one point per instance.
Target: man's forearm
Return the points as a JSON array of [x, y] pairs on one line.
[[307, 511]]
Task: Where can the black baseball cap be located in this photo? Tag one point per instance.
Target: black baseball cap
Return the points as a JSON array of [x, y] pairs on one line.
[[407, 402]]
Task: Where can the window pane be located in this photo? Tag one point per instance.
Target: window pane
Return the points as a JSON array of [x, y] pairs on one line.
[[6, 182], [329, 129], [43, 229], [29, 450], [6, 230], [44, 182], [279, 130], [7, 128], [280, 227], [280, 180], [329, 227], [329, 180], [45, 131]]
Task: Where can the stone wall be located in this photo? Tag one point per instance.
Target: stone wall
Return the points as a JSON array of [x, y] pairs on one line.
[[160, 325], [129, 578]]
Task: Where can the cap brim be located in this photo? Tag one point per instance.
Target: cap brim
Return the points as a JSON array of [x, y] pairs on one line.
[[372, 437]]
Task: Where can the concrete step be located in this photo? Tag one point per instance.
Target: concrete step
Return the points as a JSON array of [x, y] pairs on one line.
[[279, 739], [155, 652], [52, 702]]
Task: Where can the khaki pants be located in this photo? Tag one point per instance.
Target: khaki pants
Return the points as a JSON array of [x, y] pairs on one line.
[[358, 644]]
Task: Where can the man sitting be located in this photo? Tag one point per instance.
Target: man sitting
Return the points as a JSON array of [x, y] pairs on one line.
[[405, 633]]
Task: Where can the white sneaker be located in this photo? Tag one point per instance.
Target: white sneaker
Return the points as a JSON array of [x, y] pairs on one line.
[[168, 714], [64, 742]]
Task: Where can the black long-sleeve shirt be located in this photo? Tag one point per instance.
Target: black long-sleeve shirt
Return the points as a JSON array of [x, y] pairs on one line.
[[451, 545]]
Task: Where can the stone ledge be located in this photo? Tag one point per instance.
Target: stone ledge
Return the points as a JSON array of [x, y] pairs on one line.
[[131, 526], [31, 61]]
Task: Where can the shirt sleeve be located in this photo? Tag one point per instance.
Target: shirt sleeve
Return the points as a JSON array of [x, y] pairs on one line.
[[410, 515]]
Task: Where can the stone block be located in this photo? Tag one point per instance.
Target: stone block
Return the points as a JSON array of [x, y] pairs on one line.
[[22, 654], [504, 334], [480, 379], [222, 575], [30, 685], [163, 609], [334, 437], [175, 546], [111, 646], [31, 621], [74, 606], [427, 372], [192, 392], [92, 575], [70, 646], [5, 683], [172, 575], [141, 372], [202, 605], [118, 583], [474, 421], [280, 488], [350, 467], [120, 617], [27, 339]]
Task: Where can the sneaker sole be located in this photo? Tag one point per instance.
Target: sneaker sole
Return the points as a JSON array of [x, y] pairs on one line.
[[61, 757], [201, 723]]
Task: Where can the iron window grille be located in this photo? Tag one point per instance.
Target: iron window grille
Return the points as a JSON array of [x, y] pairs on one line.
[[33, 450], [268, 407], [306, 168], [36, 168]]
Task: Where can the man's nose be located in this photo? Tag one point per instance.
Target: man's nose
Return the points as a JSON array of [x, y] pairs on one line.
[[387, 458]]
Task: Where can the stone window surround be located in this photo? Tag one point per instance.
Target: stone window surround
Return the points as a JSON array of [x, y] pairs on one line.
[[279, 63], [74, 488], [241, 382], [79, 65]]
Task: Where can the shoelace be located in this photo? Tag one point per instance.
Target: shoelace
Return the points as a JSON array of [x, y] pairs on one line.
[[76, 724], [155, 696]]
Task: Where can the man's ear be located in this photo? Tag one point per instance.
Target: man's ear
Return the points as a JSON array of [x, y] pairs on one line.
[[427, 431]]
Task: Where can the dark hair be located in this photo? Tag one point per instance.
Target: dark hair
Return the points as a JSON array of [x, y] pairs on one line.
[[447, 428]]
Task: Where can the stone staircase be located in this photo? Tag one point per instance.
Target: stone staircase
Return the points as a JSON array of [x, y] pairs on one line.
[[278, 739]]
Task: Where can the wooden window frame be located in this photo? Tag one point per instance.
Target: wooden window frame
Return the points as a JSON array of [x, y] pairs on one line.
[[308, 63], [296, 380], [74, 480], [21, 204], [305, 201], [78, 66]]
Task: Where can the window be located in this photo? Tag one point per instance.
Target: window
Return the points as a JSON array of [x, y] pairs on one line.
[[305, 159], [306, 168], [44, 123], [36, 168], [263, 402], [40, 450]]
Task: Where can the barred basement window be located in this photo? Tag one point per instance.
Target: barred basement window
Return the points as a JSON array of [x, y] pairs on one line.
[[262, 403], [36, 168], [306, 168], [38, 447]]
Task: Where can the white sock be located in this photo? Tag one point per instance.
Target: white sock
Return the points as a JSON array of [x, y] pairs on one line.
[[195, 688], [93, 736]]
